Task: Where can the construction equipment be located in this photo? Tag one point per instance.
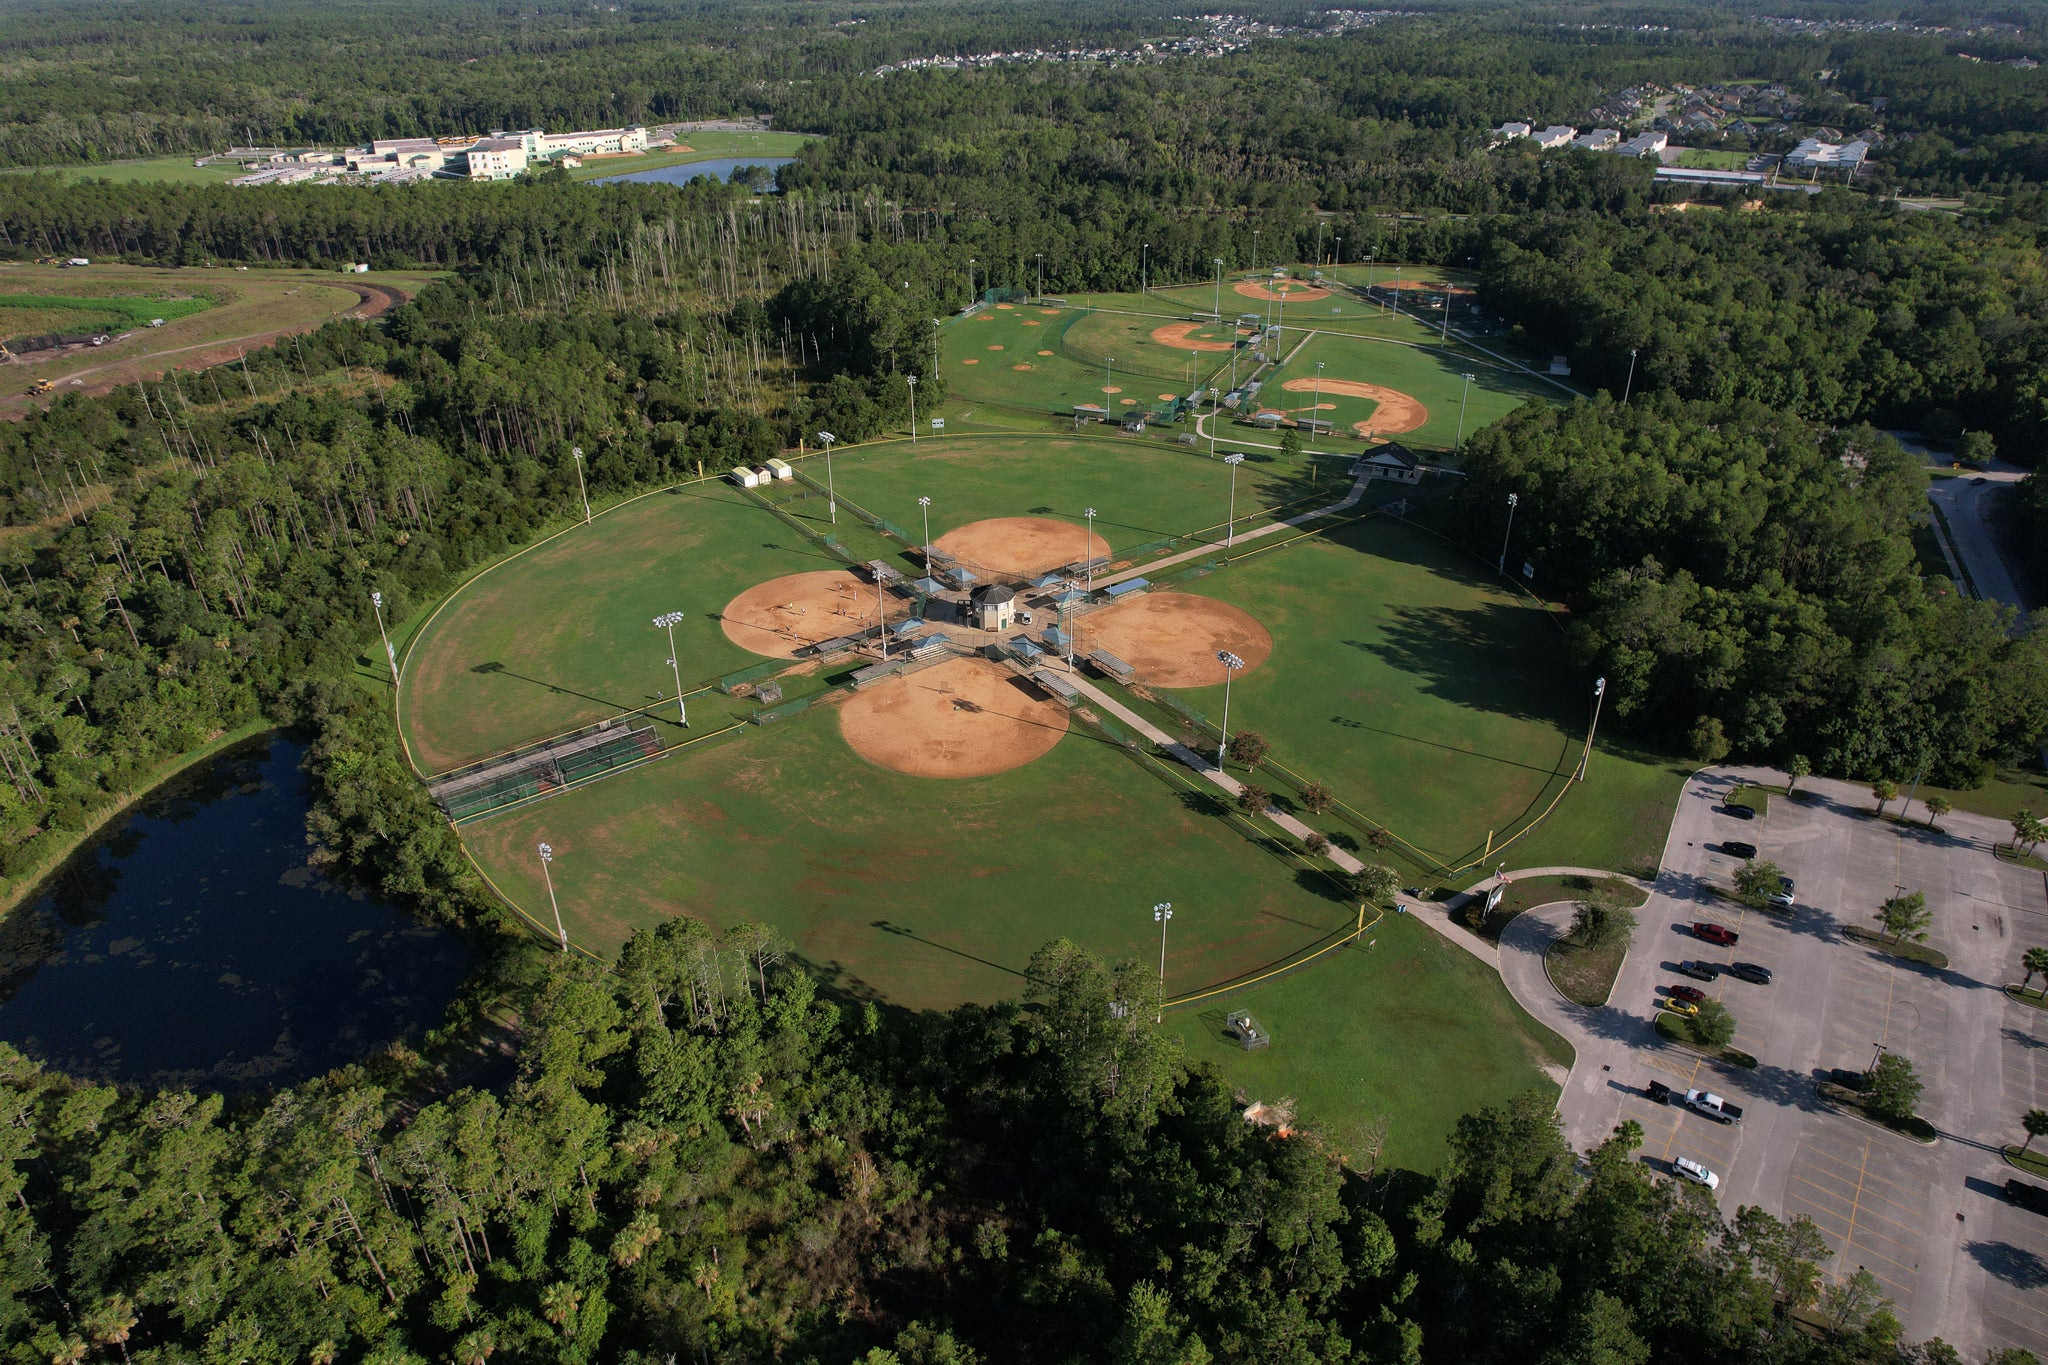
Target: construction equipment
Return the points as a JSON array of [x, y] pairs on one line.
[[40, 387]]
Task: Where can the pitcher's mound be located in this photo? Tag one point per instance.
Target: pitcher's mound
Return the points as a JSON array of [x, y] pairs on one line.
[[1171, 638], [1021, 546], [781, 616], [961, 718]]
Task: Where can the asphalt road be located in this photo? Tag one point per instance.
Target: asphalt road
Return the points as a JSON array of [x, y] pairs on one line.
[[1930, 1222], [1967, 503]]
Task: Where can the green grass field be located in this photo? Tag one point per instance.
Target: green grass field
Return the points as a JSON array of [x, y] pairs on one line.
[[560, 664], [1435, 380], [31, 314], [1432, 700], [921, 892], [168, 170], [1407, 1029]]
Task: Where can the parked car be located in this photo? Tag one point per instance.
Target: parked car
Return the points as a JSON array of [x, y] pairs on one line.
[[1847, 1079], [1716, 933], [1751, 972], [1677, 1006], [1735, 848], [1780, 899], [1739, 812], [2027, 1196], [1691, 994], [1699, 971], [1688, 1169]]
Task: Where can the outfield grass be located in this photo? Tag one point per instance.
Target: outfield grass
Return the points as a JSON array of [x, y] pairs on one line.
[[33, 314], [921, 892], [169, 170], [1409, 1029], [1431, 700], [1436, 379], [561, 664]]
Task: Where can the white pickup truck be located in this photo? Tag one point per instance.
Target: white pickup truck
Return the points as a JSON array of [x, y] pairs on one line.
[[1701, 1101]]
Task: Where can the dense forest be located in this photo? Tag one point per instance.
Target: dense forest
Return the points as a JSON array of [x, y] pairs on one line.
[[704, 1157], [703, 1160]]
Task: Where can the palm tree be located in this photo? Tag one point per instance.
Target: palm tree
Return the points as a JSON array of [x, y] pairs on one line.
[[2026, 829], [1937, 806], [2035, 960], [1884, 789], [1799, 766], [2035, 1121]]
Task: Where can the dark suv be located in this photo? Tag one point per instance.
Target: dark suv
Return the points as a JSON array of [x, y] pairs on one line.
[[1749, 971], [2027, 1196], [1735, 848], [1699, 971]]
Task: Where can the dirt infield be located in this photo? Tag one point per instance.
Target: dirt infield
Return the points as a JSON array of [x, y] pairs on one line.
[[1171, 638], [1289, 290], [783, 615], [1021, 545], [1177, 336], [1397, 412], [962, 718]]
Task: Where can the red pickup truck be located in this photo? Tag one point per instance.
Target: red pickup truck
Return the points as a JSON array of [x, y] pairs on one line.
[[1716, 933]]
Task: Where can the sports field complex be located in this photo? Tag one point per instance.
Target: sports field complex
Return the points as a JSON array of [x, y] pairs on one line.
[[917, 825]]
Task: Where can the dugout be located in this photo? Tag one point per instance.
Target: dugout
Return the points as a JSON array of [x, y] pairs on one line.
[[1112, 667]]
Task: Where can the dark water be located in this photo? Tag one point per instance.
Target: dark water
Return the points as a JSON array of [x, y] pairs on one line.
[[193, 945], [719, 167]]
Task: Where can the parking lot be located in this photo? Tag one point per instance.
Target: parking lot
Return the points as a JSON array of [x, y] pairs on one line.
[[1930, 1222]]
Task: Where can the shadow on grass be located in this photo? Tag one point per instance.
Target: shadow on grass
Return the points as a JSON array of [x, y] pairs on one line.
[[494, 667], [905, 931]]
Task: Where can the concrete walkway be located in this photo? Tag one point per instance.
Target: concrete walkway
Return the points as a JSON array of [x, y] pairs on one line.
[[1343, 504], [1183, 754]]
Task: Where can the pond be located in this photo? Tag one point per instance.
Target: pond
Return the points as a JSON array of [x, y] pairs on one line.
[[192, 944], [718, 167]]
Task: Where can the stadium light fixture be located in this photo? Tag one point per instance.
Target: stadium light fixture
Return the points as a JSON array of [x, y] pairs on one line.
[[1319, 393], [1599, 693], [913, 409], [1108, 383], [1144, 266], [668, 621], [926, 504], [377, 602], [1340, 252], [1629, 387], [1255, 251], [1231, 663], [1463, 394], [1162, 915], [826, 438], [936, 324], [1219, 289], [1513, 500], [1089, 512], [1230, 534], [581, 487], [1041, 278], [547, 856], [970, 281]]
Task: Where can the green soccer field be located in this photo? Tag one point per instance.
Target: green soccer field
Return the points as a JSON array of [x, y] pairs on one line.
[[561, 636]]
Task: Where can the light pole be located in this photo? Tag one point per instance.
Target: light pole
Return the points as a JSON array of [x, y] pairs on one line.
[[1585, 759], [1319, 393], [826, 438], [1089, 512], [935, 345], [1230, 531], [1041, 279], [1340, 253], [1219, 289], [1108, 384], [1629, 387], [1213, 404], [1231, 663], [581, 487], [882, 617], [970, 281], [1443, 335], [913, 409], [1368, 282], [547, 855], [1463, 394], [1255, 251], [1513, 499], [377, 602], [1397, 291], [1144, 266], [667, 621], [926, 504], [1162, 913]]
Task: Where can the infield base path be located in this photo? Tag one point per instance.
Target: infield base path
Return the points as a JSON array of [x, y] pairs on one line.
[[1171, 638], [781, 616], [1021, 546], [961, 718], [1397, 411], [1288, 292]]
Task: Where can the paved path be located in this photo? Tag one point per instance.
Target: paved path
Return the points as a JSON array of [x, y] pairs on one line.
[[1968, 502], [1343, 504], [1188, 756]]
